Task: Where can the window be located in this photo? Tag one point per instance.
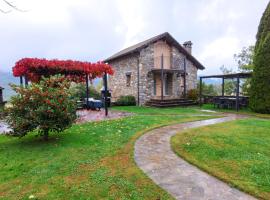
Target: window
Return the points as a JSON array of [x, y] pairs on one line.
[[128, 79]]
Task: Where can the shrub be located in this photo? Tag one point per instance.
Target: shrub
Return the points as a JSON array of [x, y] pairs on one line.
[[2, 112], [260, 83], [193, 94], [79, 91], [128, 100], [45, 107]]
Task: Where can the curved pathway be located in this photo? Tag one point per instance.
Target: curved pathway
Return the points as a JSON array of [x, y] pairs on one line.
[[182, 180]]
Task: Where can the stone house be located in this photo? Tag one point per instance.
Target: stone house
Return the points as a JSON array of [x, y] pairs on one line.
[[158, 69]]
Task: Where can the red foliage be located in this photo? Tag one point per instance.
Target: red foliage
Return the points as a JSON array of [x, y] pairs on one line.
[[35, 68]]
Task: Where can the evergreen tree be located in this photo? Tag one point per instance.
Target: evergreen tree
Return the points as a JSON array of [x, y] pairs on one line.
[[260, 84]]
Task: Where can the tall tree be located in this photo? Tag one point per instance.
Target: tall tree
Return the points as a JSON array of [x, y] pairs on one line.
[[260, 84], [244, 59]]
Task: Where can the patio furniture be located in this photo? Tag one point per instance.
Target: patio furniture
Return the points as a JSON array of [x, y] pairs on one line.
[[229, 102], [223, 101], [93, 104]]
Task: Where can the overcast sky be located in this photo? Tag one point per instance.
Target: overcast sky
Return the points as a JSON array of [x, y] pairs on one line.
[[91, 30]]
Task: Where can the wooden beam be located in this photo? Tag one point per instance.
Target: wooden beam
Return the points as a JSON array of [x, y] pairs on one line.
[[25, 81], [223, 83], [87, 91], [237, 93], [200, 91], [162, 78], [21, 81], [105, 94]]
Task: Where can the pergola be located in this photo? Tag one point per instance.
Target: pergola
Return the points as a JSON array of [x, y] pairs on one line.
[[33, 69], [237, 76]]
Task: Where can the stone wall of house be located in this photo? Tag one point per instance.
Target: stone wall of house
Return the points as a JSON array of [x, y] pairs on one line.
[[178, 63], [118, 82], [129, 64], [192, 76], [146, 77]]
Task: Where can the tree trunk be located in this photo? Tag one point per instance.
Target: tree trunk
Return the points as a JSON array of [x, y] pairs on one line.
[[46, 135]]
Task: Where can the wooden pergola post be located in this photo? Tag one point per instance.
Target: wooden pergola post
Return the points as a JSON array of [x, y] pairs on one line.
[[105, 94], [87, 91], [223, 86], [162, 77], [21, 81], [25, 81], [237, 93], [200, 91]]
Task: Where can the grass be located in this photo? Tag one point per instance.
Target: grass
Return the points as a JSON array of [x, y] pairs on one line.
[[245, 111], [87, 161], [236, 152], [160, 111]]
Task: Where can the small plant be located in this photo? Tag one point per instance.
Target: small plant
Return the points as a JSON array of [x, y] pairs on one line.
[[128, 100], [46, 106], [193, 94]]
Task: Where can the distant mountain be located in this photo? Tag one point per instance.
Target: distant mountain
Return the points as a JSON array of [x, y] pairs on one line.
[[212, 81], [5, 79]]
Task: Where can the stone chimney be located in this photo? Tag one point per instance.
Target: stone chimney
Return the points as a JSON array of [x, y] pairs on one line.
[[188, 46]]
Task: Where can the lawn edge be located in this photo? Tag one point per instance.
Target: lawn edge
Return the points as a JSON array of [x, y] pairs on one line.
[[172, 144], [138, 134]]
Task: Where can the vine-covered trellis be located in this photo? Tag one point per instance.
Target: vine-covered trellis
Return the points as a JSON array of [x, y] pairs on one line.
[[32, 69]]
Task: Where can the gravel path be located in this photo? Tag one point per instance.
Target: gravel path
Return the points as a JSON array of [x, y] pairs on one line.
[[182, 180]]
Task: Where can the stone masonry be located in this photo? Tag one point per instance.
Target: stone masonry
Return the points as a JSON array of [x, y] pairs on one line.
[[144, 61]]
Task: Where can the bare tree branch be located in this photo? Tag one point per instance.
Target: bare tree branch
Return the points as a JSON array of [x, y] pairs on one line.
[[10, 4], [5, 11]]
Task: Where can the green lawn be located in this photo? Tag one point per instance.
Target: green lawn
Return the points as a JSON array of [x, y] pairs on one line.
[[87, 161], [160, 111], [245, 111], [237, 152]]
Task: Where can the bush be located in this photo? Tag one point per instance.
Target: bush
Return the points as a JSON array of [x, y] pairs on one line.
[[45, 107], [260, 83], [2, 112], [193, 94], [128, 100], [79, 92]]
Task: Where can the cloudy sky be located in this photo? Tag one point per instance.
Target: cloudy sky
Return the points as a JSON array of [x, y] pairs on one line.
[[92, 30]]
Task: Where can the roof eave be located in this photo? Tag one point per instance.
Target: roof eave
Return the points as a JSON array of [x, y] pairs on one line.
[[167, 36]]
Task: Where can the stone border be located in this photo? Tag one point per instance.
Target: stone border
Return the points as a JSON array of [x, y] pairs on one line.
[[153, 154]]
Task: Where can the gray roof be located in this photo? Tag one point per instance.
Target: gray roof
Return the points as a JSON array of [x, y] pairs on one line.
[[166, 36]]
